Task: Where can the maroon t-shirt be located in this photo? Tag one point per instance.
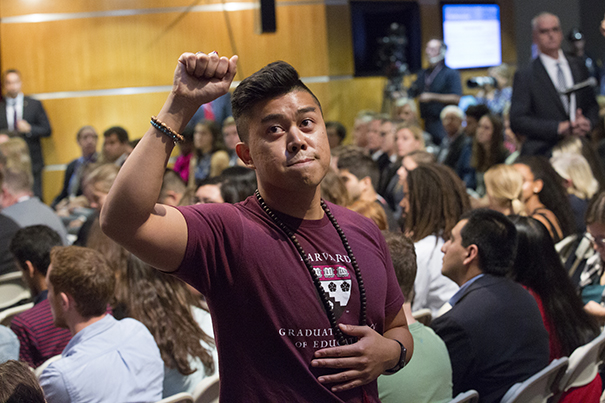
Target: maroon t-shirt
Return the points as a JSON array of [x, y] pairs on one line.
[[268, 318]]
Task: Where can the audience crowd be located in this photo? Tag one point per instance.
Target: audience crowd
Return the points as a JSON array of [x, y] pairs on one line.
[[493, 218]]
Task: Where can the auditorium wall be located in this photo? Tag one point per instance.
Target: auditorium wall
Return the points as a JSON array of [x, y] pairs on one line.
[[110, 62]]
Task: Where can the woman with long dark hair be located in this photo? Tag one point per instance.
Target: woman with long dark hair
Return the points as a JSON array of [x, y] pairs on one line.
[[488, 149], [209, 159], [435, 198], [545, 197], [539, 269], [181, 329]]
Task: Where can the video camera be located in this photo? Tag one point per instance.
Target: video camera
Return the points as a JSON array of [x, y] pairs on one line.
[[481, 82]]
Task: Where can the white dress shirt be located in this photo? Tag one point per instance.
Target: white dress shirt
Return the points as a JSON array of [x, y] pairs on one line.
[[11, 104], [550, 65]]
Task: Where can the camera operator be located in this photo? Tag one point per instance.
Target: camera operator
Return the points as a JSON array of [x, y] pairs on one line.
[[496, 90]]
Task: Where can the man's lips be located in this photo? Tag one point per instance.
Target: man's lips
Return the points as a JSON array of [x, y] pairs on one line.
[[300, 161]]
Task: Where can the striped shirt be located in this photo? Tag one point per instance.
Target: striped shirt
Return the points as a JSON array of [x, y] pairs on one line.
[[38, 337]]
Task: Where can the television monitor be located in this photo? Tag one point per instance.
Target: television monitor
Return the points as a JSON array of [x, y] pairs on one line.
[[472, 35]]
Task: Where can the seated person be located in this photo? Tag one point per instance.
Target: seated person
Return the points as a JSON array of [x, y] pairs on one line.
[[72, 182], [427, 378], [106, 360], [116, 146], [9, 345], [38, 337], [19, 384], [360, 174], [173, 188], [494, 332], [20, 204]]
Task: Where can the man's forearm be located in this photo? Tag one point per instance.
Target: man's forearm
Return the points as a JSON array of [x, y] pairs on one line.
[[447, 99], [135, 191], [401, 333]]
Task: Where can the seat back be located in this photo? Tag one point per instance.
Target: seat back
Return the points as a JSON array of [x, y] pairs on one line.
[[584, 364], [207, 391], [470, 396], [7, 315], [12, 290], [539, 387], [38, 371], [178, 398], [423, 316]]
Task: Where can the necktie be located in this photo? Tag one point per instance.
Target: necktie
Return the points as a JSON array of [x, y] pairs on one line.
[[562, 87]]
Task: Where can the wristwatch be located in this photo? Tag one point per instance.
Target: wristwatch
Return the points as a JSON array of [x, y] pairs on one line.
[[401, 362]]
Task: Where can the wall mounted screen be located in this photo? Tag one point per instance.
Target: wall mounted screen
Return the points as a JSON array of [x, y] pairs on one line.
[[472, 34]]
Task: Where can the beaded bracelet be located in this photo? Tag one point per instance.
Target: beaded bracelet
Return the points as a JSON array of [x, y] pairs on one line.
[[161, 126]]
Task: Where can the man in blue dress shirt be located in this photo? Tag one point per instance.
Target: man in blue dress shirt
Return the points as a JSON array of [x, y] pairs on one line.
[[106, 360]]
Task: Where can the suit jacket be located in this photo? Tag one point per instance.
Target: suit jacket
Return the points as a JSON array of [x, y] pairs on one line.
[[8, 229], [33, 212], [495, 337], [536, 108], [34, 114]]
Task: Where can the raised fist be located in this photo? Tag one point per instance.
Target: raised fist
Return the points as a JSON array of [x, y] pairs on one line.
[[201, 78]]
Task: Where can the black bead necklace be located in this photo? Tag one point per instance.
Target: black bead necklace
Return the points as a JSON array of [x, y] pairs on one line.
[[322, 294]]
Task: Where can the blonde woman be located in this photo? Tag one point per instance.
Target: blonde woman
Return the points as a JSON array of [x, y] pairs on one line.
[[504, 186], [16, 151], [583, 147], [408, 138], [580, 183]]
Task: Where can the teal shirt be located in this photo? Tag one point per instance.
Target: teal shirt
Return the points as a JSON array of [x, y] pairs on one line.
[[427, 378]]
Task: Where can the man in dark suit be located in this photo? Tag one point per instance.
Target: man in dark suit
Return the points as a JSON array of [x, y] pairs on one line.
[[25, 117], [538, 112], [436, 87], [494, 332]]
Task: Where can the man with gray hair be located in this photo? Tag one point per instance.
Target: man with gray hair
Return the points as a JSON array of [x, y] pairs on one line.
[[539, 111], [20, 204]]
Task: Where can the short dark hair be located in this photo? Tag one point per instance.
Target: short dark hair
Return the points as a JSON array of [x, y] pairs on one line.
[[84, 274], [172, 182], [120, 132], [360, 165], [273, 80], [495, 237], [19, 384], [34, 243], [403, 256], [341, 131], [476, 111]]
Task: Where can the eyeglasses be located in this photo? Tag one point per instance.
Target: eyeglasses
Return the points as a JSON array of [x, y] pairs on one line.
[[597, 241]]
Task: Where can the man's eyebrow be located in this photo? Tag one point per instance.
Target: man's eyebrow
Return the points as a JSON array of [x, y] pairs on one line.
[[272, 116], [307, 109]]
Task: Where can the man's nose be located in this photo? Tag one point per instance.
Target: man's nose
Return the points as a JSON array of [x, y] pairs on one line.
[[296, 140]]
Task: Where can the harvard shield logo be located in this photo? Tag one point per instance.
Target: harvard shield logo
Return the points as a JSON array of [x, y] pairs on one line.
[[336, 282]]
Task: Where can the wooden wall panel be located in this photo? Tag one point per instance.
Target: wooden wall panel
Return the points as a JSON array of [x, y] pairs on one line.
[[138, 50], [104, 52], [11, 8]]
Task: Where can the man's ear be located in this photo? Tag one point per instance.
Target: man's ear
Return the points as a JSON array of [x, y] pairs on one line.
[[472, 254], [366, 182], [29, 269], [243, 152], [65, 301]]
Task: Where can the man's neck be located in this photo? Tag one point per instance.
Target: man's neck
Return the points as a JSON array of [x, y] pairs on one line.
[[80, 323], [552, 53], [407, 310], [304, 204], [472, 272], [369, 195]]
